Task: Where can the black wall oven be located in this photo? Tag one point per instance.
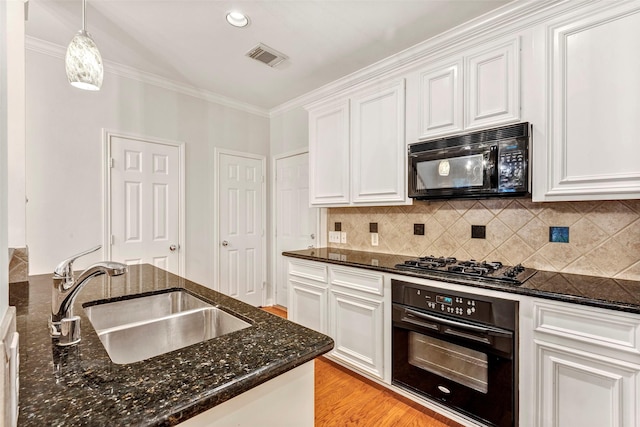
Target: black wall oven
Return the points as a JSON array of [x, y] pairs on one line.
[[457, 349]]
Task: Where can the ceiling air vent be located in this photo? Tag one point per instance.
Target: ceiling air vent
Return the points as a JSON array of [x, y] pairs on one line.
[[267, 55]]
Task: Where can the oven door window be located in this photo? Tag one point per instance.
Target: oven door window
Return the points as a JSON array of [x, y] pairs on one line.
[[460, 364]]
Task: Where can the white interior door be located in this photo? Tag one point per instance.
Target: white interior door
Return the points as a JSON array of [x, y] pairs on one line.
[[241, 224], [297, 223], [146, 202]]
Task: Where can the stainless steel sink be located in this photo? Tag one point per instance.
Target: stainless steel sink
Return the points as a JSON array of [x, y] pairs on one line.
[[139, 328]]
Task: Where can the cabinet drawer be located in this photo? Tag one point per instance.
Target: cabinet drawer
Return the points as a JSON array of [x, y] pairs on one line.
[[357, 279], [603, 328], [308, 269]]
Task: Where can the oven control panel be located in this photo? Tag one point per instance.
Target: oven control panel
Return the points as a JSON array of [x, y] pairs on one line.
[[486, 309], [454, 305]]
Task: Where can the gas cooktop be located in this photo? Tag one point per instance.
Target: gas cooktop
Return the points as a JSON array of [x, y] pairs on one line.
[[494, 271]]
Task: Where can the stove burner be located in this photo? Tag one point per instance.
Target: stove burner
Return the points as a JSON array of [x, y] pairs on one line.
[[451, 267], [495, 265], [474, 270], [442, 261]]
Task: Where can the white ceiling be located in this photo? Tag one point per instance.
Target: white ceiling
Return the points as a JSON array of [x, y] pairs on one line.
[[189, 41]]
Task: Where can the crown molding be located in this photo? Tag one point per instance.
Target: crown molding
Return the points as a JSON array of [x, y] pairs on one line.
[[51, 49], [514, 16]]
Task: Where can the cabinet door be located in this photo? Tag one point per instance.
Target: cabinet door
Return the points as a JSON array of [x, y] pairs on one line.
[[308, 305], [592, 145], [579, 389], [493, 86], [357, 328], [441, 100], [329, 154], [378, 150]]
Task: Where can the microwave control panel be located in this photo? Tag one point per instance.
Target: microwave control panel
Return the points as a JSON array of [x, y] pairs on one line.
[[512, 166]]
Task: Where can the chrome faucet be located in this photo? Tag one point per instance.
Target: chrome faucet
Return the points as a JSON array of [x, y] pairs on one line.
[[63, 325]]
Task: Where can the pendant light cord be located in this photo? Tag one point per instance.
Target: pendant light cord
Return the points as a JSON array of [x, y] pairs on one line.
[[84, 15]]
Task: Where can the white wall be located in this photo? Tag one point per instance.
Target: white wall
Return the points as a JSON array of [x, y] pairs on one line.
[[16, 126], [4, 261], [64, 157], [289, 132]]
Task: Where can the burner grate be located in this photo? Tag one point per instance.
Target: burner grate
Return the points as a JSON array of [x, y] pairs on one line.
[[451, 267]]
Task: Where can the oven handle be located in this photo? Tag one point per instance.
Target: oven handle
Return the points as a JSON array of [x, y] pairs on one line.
[[460, 325]]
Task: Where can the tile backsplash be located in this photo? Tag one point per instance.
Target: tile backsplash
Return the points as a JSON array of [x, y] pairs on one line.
[[603, 236]]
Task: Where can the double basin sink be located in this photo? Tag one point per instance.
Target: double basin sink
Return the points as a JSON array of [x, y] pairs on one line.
[[142, 327]]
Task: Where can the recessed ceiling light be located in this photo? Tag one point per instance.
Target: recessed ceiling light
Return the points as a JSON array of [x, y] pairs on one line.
[[237, 19]]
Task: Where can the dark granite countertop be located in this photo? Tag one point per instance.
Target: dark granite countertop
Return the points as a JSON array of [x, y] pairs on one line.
[[79, 385], [615, 294]]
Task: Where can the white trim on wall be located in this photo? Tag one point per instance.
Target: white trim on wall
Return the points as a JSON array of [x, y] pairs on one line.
[[509, 18], [106, 192], [57, 51]]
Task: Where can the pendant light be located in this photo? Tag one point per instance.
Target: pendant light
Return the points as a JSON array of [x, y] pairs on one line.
[[83, 62]]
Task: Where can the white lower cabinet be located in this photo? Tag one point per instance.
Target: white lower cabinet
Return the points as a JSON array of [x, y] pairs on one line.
[[357, 327], [587, 366], [308, 290], [584, 389], [308, 305], [345, 303]]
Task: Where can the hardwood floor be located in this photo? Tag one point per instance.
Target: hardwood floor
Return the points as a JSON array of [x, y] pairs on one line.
[[344, 398]]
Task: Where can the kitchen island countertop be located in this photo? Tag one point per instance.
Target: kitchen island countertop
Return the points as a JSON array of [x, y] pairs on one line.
[[79, 385], [603, 292]]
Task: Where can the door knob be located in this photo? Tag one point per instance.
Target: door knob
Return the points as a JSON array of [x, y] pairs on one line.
[[225, 243], [313, 236], [173, 248]]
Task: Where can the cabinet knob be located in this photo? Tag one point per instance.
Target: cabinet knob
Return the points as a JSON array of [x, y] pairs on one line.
[[313, 236]]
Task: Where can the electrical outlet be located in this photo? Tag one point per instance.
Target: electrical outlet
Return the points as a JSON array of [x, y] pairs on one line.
[[418, 229], [337, 226], [374, 239], [334, 237], [373, 227], [343, 237]]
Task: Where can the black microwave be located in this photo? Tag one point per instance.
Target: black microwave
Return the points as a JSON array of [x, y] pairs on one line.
[[488, 163]]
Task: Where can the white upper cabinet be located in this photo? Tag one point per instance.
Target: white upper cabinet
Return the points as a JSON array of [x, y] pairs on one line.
[[357, 150], [492, 86], [329, 154], [593, 67], [378, 156], [479, 88], [440, 103]]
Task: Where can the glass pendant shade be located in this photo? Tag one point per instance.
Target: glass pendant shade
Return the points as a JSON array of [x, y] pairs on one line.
[[83, 62]]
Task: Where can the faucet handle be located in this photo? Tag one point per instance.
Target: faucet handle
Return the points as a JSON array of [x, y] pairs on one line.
[[65, 268]]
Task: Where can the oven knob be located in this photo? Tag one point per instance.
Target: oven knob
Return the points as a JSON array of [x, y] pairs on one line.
[[469, 311]]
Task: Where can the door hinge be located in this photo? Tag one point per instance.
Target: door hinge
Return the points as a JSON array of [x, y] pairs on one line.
[[111, 162], [264, 285], [113, 239]]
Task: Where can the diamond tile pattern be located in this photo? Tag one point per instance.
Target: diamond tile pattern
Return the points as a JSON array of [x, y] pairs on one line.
[[604, 236]]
